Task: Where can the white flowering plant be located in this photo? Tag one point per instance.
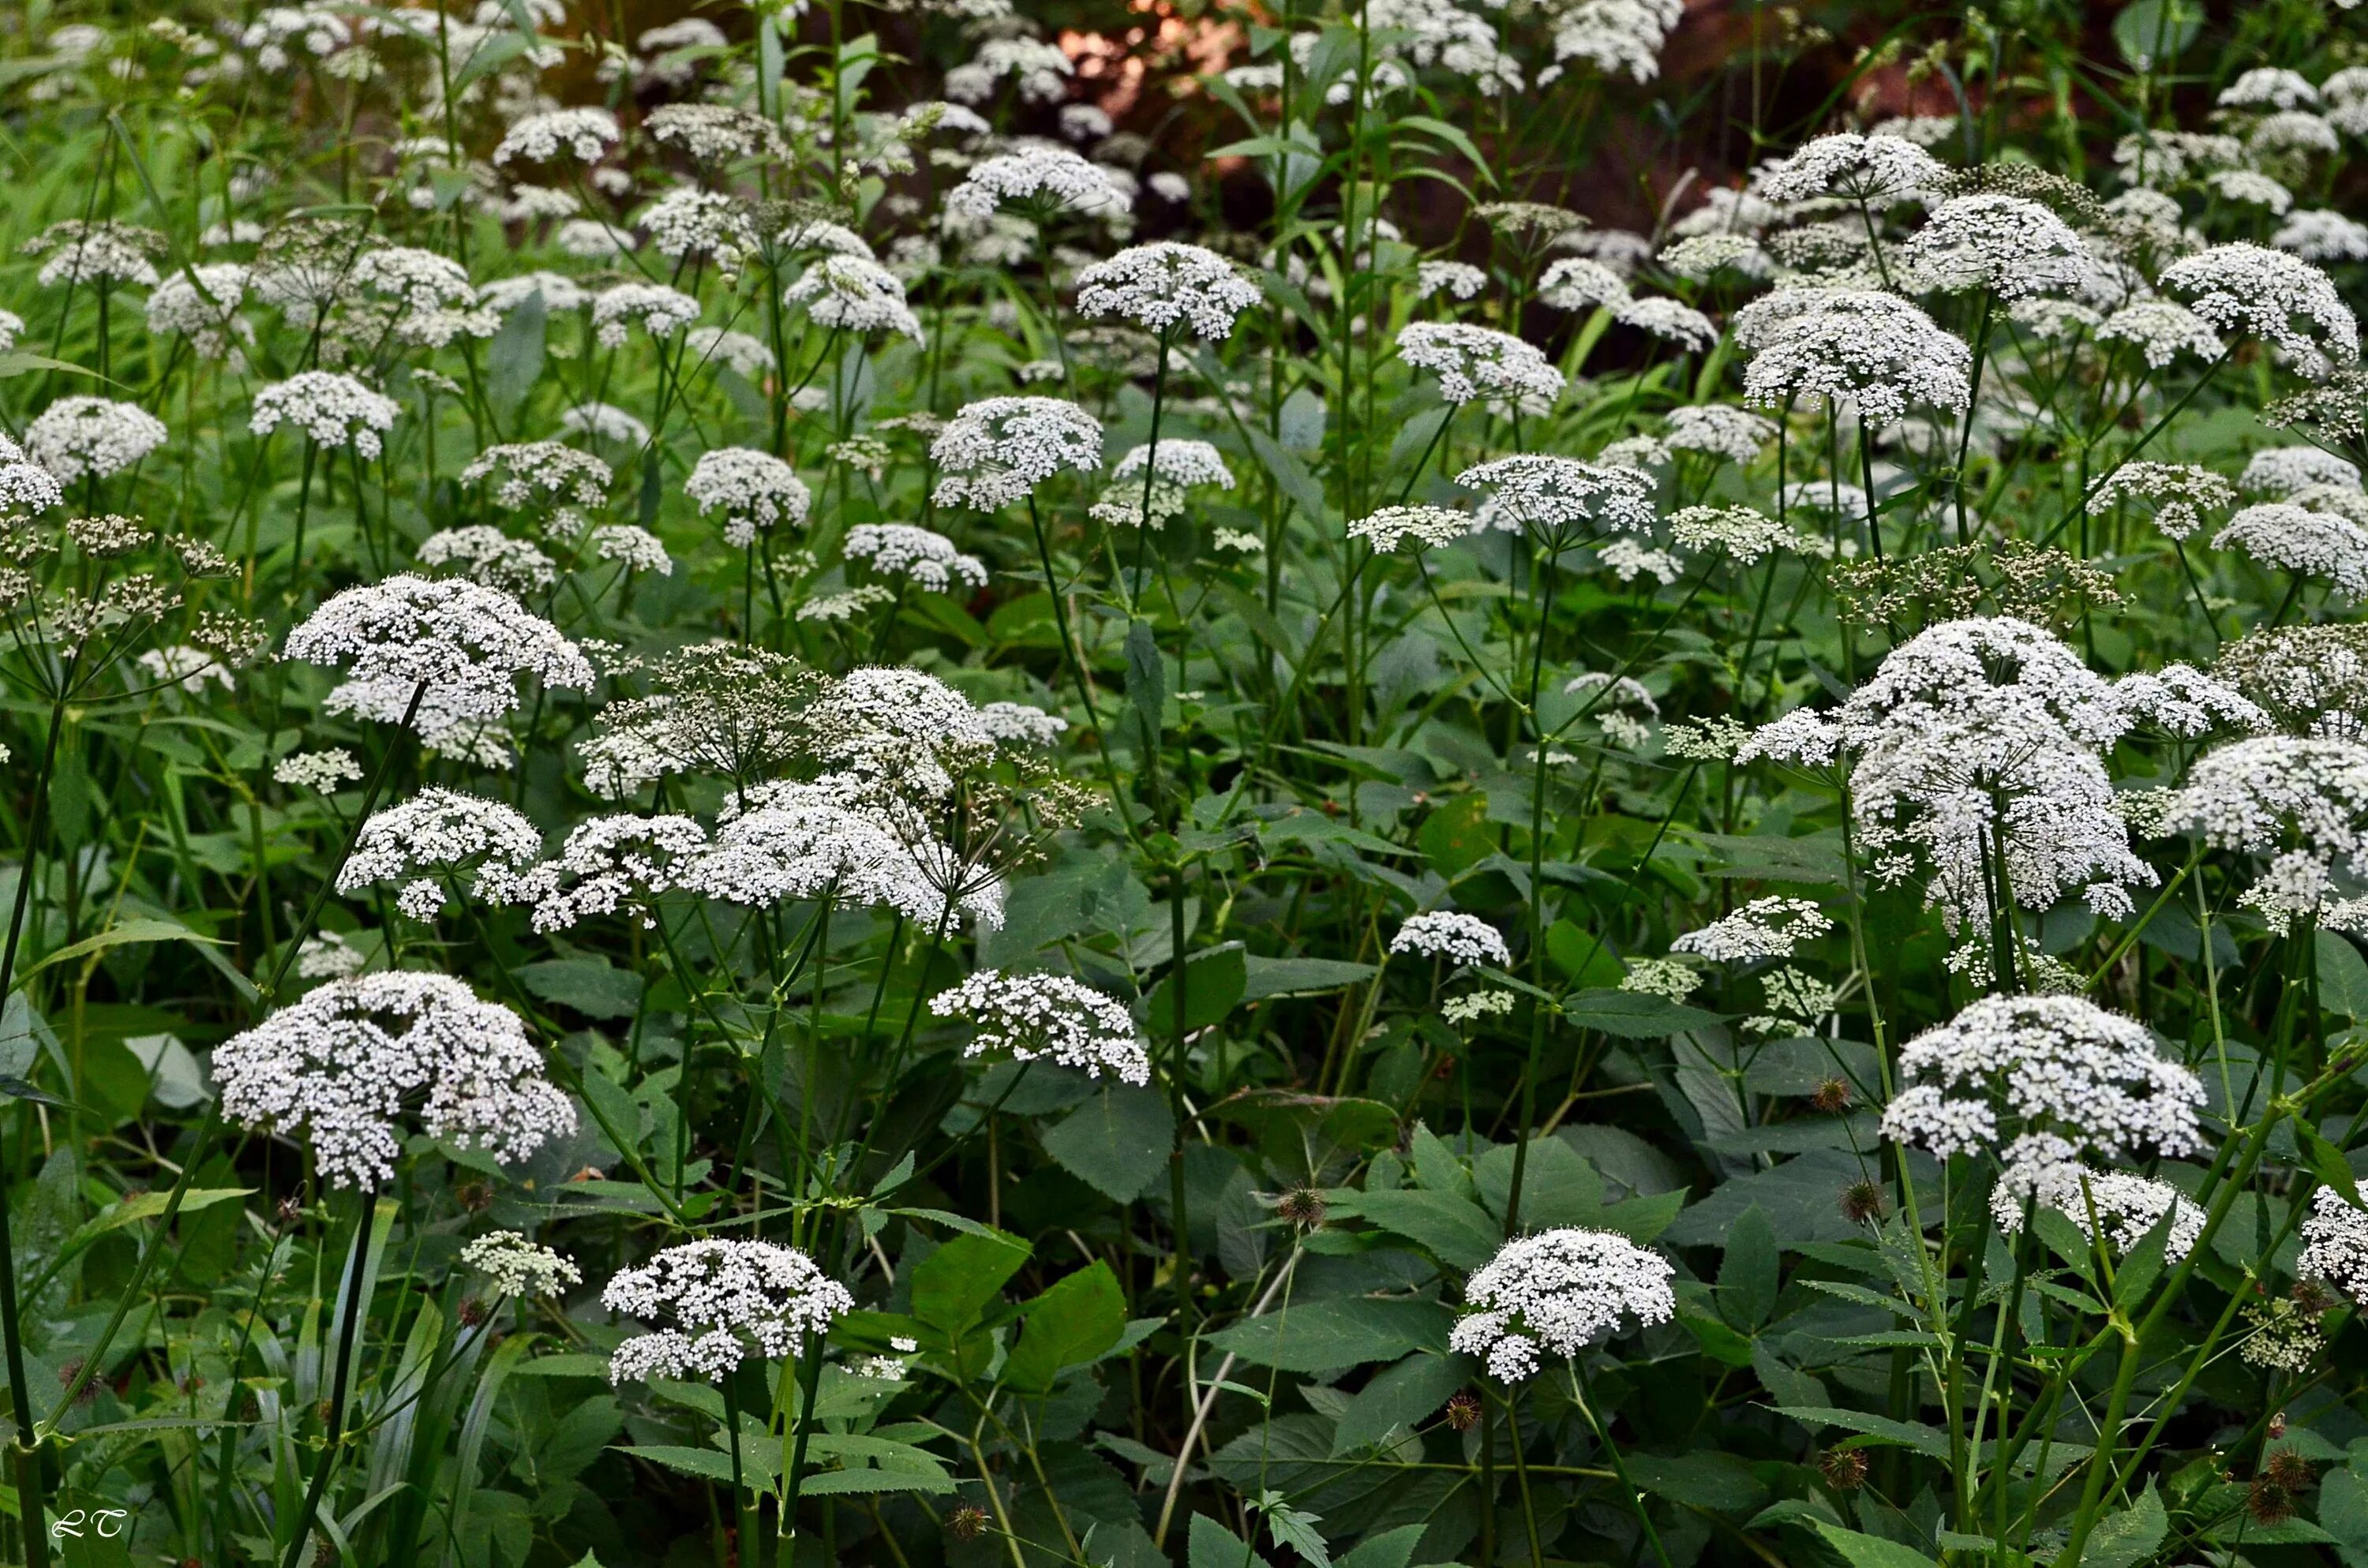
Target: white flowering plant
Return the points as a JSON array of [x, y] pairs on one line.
[[949, 782]]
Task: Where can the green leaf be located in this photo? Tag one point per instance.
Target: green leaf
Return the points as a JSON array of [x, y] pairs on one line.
[[20, 363], [1929, 1440], [1747, 1275], [1147, 680], [1349, 1331], [953, 1286], [1456, 1230], [1295, 1528], [2152, 33], [2327, 1162], [1871, 1551], [1290, 476], [1214, 1546], [704, 1464], [514, 355], [593, 987], [1070, 1324], [1116, 1142], [1262, 978], [1397, 1400], [148, 1205], [1214, 982], [135, 930], [1634, 1014], [2127, 1537]]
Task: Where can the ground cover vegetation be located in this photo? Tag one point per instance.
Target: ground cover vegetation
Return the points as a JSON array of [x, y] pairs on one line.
[[967, 783]]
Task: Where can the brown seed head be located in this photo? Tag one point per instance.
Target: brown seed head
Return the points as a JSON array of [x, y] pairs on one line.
[[1845, 1468], [1462, 1412]]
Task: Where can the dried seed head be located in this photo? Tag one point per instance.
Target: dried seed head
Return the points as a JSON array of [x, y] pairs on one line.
[[1862, 1201], [2269, 1504], [967, 1522], [1833, 1095], [2288, 1471], [473, 1312], [1462, 1412], [1302, 1207], [1844, 1469]]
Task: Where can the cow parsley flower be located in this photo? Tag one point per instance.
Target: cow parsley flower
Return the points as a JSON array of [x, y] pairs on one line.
[[715, 133], [2310, 543], [927, 558], [347, 1065], [659, 311], [1763, 929], [1555, 495], [2268, 294], [442, 832], [428, 299], [754, 491], [520, 1268], [1556, 1293], [333, 410], [998, 450], [2015, 1073], [1874, 169], [1459, 278], [1478, 364], [688, 222], [1030, 1015], [187, 667], [2161, 330], [451, 648], [719, 1300], [2335, 1245], [1719, 430], [1874, 350], [854, 294], [1160, 286], [1454, 935], [78, 438], [630, 546], [1427, 526], [584, 135], [2309, 676], [2320, 234], [2302, 801], [1741, 532], [738, 352], [208, 320], [2265, 86], [2180, 493], [539, 474], [2126, 1205], [1670, 320], [2280, 472], [1044, 178], [1579, 283], [1618, 38], [490, 556], [2005, 245], [605, 422]]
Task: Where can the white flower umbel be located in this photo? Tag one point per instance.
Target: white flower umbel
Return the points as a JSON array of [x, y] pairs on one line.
[[210, 320], [630, 546], [346, 1066], [923, 557], [1459, 278], [736, 351], [2335, 1245], [518, 1266], [1426, 526], [1581, 283], [2302, 800], [187, 667], [1556, 497], [2004, 245], [2126, 1206], [1742, 533], [1478, 364], [756, 492], [998, 450], [1719, 430], [605, 422], [714, 133], [584, 135], [489, 555], [606, 864], [78, 438], [2180, 493], [533, 474], [443, 834], [690, 224], [1669, 320], [1618, 38], [1873, 169], [332, 409], [855, 294], [2279, 471], [717, 1300], [1555, 1294], [2299, 539], [467, 644], [1452, 935], [321, 770], [658, 309], [1044, 178], [1026, 1016], [2268, 294], [2009, 1070], [1158, 286], [1022, 723], [1764, 928], [1874, 350], [428, 298]]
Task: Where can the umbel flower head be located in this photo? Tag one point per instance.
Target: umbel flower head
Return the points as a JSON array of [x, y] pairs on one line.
[[2009, 1072], [1158, 286], [926, 558], [2180, 493], [2005, 245], [1426, 526], [520, 1268], [756, 492], [534, 474], [447, 651], [2126, 1205], [78, 438], [998, 450], [718, 1300], [2268, 294], [738, 713], [1039, 175], [1764, 928], [1556, 1293], [1028, 1016], [2303, 541], [1871, 349], [346, 1066], [2301, 801], [447, 833], [1876, 169], [1478, 364], [1557, 497], [334, 410], [2335, 1245], [584, 135], [855, 294], [1454, 935]]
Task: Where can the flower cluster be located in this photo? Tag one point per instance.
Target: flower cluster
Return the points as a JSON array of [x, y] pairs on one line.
[[1452, 935], [719, 1300], [1050, 1015], [1555, 1294]]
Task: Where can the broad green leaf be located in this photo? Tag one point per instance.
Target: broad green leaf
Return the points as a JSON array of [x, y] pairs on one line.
[[514, 356], [1398, 1399], [1634, 1014], [1213, 1545], [1928, 1440], [1747, 1275], [1214, 982], [140, 929], [1456, 1230], [1869, 1550], [2150, 34], [590, 986], [2127, 1537], [1116, 1142], [1070, 1324], [1315, 1337], [953, 1286]]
